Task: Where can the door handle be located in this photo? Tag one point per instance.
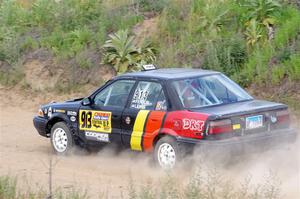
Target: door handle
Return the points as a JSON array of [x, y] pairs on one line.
[[115, 116], [154, 120]]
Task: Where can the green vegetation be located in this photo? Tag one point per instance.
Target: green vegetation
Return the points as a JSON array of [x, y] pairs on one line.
[[248, 40], [10, 190], [67, 29], [252, 41], [124, 55], [8, 187]]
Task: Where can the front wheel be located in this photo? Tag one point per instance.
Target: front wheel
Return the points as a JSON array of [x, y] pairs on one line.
[[61, 138], [166, 153]]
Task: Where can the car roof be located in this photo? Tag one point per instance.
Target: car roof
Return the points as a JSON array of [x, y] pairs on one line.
[[170, 73]]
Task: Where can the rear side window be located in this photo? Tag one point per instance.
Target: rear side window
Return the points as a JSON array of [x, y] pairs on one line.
[[161, 104], [147, 95], [208, 90]]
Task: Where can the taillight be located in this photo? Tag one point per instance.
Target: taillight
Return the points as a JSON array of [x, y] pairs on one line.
[[283, 116], [220, 126]]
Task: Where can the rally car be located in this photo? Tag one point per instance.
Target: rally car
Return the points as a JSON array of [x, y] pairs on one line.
[[164, 111]]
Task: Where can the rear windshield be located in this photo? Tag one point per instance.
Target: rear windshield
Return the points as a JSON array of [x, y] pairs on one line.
[[208, 90]]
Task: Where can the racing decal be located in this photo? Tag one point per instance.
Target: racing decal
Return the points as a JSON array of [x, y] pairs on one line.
[[49, 112], [192, 124], [72, 113], [139, 100], [185, 123], [98, 121], [153, 125], [138, 129], [103, 137], [59, 111]]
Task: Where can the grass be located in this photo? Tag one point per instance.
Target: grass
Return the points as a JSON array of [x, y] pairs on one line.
[[10, 190], [8, 187], [209, 183], [204, 182]]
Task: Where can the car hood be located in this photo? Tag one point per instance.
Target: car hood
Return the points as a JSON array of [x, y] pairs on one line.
[[69, 104], [240, 108]]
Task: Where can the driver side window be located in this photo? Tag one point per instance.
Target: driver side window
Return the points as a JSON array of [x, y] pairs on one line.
[[115, 94]]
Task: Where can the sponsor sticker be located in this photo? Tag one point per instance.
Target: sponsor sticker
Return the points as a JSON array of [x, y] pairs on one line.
[[58, 111], [103, 137], [49, 112], [72, 113], [236, 126], [98, 121], [192, 124]]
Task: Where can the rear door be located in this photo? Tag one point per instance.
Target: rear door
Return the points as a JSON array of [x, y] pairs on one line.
[[101, 121], [145, 110]]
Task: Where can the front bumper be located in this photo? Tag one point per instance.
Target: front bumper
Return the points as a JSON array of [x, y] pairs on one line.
[[263, 140], [40, 125]]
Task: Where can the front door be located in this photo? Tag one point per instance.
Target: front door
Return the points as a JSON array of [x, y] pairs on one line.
[[101, 121]]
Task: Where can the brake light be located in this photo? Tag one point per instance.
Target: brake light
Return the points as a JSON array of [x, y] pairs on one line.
[[283, 116], [220, 126]]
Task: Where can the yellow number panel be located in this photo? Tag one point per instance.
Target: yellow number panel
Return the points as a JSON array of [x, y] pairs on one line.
[[98, 121]]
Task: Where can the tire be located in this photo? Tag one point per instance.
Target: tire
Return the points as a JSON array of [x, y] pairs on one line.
[[61, 139], [166, 153]]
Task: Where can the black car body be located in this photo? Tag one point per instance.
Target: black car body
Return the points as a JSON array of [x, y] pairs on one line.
[[165, 109]]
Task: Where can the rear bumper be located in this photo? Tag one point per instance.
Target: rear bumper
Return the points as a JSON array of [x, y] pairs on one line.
[[258, 140], [40, 125]]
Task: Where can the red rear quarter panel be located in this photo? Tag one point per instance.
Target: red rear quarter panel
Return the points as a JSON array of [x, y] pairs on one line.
[[185, 124], [175, 123]]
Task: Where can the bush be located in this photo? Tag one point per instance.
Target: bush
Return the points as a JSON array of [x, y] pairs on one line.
[[124, 55], [227, 55]]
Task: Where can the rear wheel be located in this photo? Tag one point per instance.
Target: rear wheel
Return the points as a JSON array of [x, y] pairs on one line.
[[61, 138], [166, 153]]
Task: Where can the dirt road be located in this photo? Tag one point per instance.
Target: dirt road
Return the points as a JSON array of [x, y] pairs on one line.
[[25, 154]]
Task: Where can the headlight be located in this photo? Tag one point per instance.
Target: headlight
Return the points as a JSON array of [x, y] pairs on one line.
[[40, 113]]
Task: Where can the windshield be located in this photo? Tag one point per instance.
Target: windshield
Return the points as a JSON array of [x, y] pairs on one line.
[[208, 90]]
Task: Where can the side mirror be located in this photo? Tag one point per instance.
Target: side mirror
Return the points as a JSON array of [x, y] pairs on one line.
[[86, 101]]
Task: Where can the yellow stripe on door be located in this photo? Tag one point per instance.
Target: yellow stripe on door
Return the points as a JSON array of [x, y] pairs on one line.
[[138, 128]]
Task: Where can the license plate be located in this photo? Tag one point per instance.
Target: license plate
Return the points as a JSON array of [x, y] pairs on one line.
[[254, 122]]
